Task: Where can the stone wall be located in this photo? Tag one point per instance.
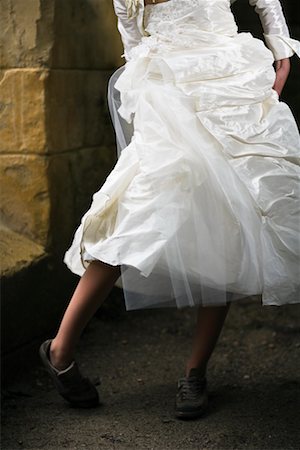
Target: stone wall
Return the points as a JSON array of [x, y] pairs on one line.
[[56, 142], [56, 139]]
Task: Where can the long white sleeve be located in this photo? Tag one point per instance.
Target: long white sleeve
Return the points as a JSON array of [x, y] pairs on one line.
[[128, 28], [276, 32]]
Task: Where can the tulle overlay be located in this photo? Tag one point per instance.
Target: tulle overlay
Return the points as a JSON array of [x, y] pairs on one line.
[[203, 203]]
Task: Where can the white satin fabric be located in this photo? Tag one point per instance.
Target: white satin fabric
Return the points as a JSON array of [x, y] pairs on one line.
[[276, 32], [203, 203]]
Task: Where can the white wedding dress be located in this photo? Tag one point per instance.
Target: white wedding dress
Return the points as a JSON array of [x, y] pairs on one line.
[[203, 204]]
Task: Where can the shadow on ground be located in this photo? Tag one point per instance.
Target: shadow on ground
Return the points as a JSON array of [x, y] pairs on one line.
[[136, 358]]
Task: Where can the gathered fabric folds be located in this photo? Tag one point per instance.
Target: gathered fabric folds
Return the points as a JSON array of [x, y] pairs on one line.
[[203, 204]]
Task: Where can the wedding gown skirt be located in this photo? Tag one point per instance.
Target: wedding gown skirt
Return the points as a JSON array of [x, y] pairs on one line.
[[202, 205]]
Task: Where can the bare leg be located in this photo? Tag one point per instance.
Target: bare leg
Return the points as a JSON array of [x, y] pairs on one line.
[[210, 320], [91, 291]]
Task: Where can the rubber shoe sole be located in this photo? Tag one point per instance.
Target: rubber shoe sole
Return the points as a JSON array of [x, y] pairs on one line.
[[180, 414]]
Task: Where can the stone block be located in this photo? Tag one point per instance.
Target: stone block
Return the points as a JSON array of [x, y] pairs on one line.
[[24, 196], [77, 112], [17, 252], [22, 111], [89, 168], [86, 35], [73, 178], [59, 34], [26, 37]]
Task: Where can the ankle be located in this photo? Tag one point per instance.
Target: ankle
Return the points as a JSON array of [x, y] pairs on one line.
[[59, 357], [201, 368]]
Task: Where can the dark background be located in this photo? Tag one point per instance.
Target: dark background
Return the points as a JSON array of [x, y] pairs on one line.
[[248, 20]]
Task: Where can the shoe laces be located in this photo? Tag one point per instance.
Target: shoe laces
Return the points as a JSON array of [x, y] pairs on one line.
[[191, 387]]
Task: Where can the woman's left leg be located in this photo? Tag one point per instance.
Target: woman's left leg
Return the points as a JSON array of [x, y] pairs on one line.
[[58, 354], [91, 291]]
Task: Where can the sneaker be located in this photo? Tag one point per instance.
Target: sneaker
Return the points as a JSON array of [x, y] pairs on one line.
[[191, 397], [70, 384]]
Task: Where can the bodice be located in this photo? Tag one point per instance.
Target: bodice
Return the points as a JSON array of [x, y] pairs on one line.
[[181, 15], [211, 15]]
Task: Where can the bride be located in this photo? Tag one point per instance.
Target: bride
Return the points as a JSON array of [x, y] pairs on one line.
[[202, 207]]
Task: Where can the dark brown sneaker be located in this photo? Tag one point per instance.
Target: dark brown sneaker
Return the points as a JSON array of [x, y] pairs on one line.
[[70, 384], [191, 397]]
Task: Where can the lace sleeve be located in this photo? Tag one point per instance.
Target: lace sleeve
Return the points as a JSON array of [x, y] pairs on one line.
[[128, 28], [276, 32]]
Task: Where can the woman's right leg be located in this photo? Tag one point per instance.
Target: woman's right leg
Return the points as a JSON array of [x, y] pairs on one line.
[[192, 396], [210, 321], [91, 291]]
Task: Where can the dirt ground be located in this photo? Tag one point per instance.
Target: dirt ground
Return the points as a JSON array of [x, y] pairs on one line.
[[137, 357]]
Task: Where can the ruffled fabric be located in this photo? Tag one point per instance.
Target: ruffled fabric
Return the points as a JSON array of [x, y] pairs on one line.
[[282, 46], [204, 199], [276, 32], [132, 7]]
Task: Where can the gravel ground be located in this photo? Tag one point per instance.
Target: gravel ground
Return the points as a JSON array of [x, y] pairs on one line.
[[137, 357]]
